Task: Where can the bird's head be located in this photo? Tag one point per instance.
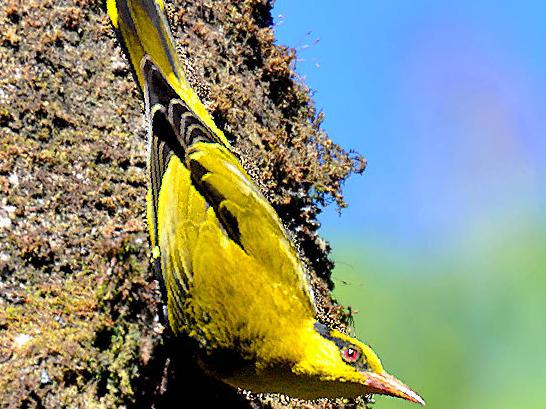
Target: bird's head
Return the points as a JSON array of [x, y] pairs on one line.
[[346, 367]]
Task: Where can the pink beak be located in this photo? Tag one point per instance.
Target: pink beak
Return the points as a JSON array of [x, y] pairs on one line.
[[386, 384]]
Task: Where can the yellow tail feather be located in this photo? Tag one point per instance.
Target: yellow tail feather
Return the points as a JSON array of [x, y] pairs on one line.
[[144, 31]]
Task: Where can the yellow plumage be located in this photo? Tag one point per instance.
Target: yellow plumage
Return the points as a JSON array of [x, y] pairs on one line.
[[234, 281]]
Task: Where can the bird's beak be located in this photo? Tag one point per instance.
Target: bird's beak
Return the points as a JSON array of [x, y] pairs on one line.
[[385, 384]]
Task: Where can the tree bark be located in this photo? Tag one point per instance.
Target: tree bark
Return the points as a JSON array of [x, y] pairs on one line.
[[79, 308]]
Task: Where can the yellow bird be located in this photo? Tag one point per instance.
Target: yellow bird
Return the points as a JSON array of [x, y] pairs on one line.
[[234, 281]]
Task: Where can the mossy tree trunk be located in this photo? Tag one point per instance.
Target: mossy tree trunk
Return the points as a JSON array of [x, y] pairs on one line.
[[78, 305]]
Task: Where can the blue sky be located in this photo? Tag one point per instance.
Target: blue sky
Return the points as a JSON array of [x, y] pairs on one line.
[[442, 247], [445, 99]]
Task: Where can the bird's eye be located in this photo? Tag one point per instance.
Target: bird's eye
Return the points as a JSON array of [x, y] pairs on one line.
[[350, 354]]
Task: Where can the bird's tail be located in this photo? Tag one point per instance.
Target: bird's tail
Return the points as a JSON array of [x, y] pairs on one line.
[[144, 31]]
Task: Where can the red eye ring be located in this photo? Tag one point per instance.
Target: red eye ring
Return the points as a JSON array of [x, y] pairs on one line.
[[350, 354]]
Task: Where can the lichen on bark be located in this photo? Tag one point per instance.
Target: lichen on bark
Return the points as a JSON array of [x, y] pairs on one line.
[[78, 305]]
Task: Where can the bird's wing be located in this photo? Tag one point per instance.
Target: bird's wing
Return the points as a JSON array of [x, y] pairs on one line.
[[196, 183], [245, 214], [185, 156]]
